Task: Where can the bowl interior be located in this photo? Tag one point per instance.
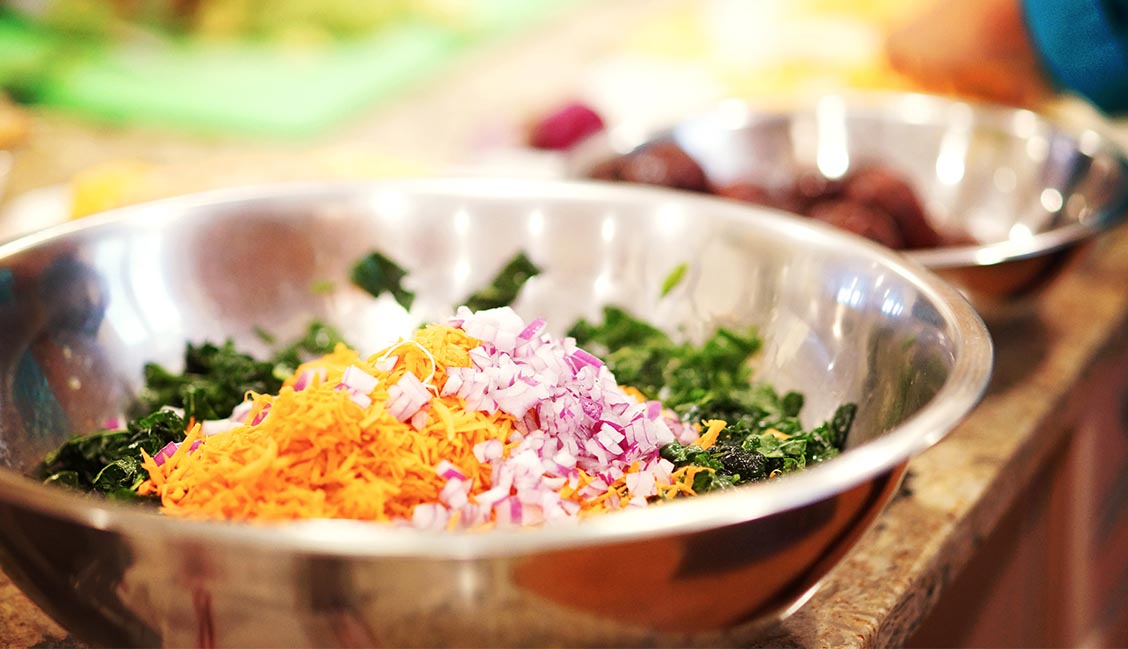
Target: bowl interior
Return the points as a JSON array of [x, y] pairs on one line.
[[989, 173], [85, 306]]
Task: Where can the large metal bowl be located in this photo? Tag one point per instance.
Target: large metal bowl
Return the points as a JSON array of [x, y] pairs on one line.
[[84, 305], [1028, 191]]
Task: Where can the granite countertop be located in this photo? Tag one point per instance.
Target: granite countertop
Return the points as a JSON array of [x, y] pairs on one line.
[[955, 494]]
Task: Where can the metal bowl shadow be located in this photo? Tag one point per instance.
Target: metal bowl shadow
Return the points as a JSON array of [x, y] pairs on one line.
[[1028, 191], [83, 306]]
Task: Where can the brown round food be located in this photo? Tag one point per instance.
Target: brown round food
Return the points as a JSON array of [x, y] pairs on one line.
[[871, 223], [609, 169], [812, 187], [746, 192], [664, 163], [886, 190]]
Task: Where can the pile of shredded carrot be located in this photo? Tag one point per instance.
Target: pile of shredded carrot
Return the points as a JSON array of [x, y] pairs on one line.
[[316, 453], [320, 455]]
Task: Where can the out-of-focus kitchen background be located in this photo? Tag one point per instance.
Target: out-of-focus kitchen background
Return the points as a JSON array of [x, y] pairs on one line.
[[111, 102], [114, 102]]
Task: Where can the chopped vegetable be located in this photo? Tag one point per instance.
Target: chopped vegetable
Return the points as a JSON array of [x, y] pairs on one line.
[[681, 375], [109, 461], [319, 339], [503, 288], [485, 420], [673, 279], [213, 382], [763, 436], [378, 275], [482, 421], [210, 390]]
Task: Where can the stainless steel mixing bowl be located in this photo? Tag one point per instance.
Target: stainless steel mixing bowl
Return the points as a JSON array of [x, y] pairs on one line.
[[1027, 190], [84, 305]]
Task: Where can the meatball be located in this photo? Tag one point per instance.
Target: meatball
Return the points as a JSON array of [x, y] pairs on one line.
[[886, 190], [664, 163], [871, 223], [746, 192]]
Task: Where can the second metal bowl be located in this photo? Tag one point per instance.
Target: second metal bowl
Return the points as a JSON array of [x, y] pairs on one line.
[[1028, 191]]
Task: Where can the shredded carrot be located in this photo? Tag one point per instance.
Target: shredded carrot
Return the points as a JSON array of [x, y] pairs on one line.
[[777, 434], [709, 437], [314, 453]]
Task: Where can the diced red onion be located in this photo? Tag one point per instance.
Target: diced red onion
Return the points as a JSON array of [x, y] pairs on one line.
[[488, 451], [360, 399], [241, 411], [216, 426], [569, 413], [306, 378], [491, 497], [358, 380], [455, 493], [261, 415], [166, 452], [406, 397], [530, 331], [430, 516], [447, 471], [583, 358]]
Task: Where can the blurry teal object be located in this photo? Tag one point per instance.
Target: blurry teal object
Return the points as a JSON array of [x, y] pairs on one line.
[[245, 88]]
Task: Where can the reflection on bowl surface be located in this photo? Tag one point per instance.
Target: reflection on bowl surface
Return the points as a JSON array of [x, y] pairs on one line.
[[84, 306], [1026, 191]]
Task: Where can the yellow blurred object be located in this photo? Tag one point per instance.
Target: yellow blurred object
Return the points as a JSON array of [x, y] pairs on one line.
[[774, 48], [106, 186]]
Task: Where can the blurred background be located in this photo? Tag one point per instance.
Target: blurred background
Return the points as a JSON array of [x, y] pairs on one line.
[[105, 103], [111, 102]]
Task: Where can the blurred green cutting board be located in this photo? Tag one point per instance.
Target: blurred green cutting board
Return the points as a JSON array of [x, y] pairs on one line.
[[242, 88]]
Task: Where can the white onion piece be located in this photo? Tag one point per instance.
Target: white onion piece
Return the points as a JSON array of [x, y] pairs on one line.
[[358, 380], [216, 426]]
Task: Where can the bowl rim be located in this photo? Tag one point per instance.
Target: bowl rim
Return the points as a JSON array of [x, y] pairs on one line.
[[965, 386], [925, 108]]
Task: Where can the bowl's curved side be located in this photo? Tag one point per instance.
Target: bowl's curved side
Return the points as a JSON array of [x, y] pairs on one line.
[[89, 303], [706, 588]]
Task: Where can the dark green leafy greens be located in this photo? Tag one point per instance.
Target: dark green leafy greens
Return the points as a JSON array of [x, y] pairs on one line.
[[214, 380], [503, 288], [763, 436], [377, 274], [109, 461], [681, 375], [319, 339]]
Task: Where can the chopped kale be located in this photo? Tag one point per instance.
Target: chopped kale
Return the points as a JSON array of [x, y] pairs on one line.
[[319, 339], [109, 461], [763, 436], [503, 288], [377, 274], [679, 374], [214, 381]]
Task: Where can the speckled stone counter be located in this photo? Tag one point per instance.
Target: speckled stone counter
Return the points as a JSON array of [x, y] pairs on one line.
[[955, 494]]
